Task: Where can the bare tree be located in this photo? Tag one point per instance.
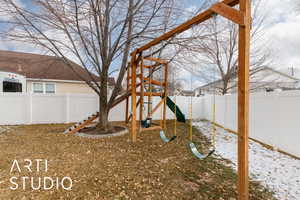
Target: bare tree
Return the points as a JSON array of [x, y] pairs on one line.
[[216, 55], [98, 34]]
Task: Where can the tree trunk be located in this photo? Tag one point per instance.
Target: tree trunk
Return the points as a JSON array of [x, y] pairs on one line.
[[103, 116], [225, 85], [103, 104]]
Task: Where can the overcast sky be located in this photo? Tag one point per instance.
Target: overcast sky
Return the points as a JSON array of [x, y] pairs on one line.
[[282, 28]]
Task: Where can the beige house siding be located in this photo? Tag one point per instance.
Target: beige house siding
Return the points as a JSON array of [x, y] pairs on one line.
[[65, 87], [81, 88]]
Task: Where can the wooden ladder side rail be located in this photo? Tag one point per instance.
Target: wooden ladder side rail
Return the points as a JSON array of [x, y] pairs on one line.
[[157, 107], [84, 124]]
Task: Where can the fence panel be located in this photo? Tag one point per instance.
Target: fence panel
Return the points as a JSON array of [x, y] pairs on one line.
[[14, 108], [273, 116]]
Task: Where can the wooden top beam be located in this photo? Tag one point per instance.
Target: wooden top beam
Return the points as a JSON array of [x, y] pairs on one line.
[[188, 24], [230, 13]]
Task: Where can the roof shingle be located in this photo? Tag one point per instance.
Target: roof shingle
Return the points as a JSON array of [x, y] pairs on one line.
[[43, 67]]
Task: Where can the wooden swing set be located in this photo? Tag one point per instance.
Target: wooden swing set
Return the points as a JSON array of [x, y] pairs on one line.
[[136, 80]]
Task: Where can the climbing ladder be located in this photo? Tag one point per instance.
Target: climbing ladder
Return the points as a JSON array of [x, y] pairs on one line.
[[82, 124], [89, 120]]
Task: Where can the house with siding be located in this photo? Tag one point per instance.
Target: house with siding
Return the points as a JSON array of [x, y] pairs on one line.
[[34, 73], [261, 79]]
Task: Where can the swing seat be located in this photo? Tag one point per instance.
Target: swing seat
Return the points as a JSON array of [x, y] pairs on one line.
[[164, 137], [197, 153], [146, 123]]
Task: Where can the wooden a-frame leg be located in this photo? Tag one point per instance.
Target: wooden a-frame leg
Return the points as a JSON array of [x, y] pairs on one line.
[[133, 98], [243, 101]]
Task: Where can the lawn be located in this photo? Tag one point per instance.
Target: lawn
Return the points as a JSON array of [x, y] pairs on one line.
[[115, 168]]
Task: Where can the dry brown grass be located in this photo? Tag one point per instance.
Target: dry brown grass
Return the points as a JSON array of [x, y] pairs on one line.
[[115, 168]]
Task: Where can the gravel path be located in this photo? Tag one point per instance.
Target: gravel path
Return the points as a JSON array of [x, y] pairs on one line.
[[279, 172]]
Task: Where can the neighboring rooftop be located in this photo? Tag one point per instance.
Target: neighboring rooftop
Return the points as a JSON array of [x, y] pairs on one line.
[[37, 66], [256, 77]]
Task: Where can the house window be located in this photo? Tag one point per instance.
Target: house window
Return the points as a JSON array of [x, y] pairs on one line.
[[50, 88], [43, 88], [12, 86], [38, 88]]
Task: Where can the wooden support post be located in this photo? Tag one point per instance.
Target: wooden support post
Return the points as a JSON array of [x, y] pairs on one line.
[[165, 86], [133, 97], [141, 91], [127, 99], [243, 101], [150, 96]]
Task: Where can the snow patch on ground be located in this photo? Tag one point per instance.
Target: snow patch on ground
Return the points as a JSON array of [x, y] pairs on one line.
[[3, 129], [276, 171]]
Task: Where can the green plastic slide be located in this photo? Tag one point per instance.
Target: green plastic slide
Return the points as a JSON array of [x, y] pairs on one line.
[[179, 115]]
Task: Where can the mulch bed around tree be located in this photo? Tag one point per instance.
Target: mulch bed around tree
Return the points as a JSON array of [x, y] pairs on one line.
[[116, 169]]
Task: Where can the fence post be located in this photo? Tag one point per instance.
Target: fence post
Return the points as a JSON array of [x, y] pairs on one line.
[[67, 98], [30, 109]]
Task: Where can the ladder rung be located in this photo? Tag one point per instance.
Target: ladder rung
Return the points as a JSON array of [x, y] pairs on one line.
[[149, 94], [138, 75], [154, 82]]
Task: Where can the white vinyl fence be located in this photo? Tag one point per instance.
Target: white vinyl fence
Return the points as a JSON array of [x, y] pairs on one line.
[[45, 109], [273, 116], [56, 108]]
